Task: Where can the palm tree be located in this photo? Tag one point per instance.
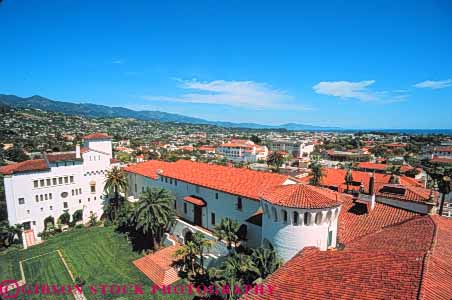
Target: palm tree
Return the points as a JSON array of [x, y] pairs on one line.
[[202, 244], [266, 262], [115, 182], [444, 189], [187, 253], [317, 173], [154, 213], [275, 159], [396, 172], [227, 231]]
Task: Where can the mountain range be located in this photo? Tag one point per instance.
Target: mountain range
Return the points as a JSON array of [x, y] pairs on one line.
[[102, 111]]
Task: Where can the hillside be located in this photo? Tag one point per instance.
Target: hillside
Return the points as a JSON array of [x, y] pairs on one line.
[[103, 111]]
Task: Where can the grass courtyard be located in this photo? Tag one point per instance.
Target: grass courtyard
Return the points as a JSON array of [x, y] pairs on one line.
[[98, 255]]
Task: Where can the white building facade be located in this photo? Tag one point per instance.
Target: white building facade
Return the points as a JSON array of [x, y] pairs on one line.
[[58, 183], [204, 197], [242, 151]]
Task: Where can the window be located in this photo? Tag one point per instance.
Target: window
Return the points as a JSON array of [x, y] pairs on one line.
[[35, 183], [135, 188], [295, 218], [171, 181], [50, 196], [41, 182], [54, 181], [318, 218], [66, 179], [216, 196], [212, 218], [73, 192], [46, 197], [48, 182], [284, 213], [93, 188], [175, 204], [71, 179], [239, 203], [275, 215], [65, 204], [79, 200], [185, 208], [175, 182], [60, 180], [95, 198], [21, 201], [330, 239], [80, 191], [307, 219], [166, 179], [51, 207], [161, 179], [41, 198], [89, 199], [142, 189]]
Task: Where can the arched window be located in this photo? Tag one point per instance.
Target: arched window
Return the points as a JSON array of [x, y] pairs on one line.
[[307, 219], [275, 215], [318, 218], [284, 216], [295, 218], [329, 214]]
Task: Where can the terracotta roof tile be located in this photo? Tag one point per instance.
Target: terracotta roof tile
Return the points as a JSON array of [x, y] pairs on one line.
[[302, 196], [25, 166], [236, 181], [388, 264], [158, 266], [96, 136], [357, 220], [195, 200]]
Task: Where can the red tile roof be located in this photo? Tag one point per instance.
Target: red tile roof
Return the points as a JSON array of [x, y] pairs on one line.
[[148, 168], [25, 166], [195, 200], [302, 196], [443, 149], [56, 157], [236, 181], [158, 266], [97, 136], [357, 219], [380, 167], [441, 160], [411, 260], [336, 177], [410, 193]]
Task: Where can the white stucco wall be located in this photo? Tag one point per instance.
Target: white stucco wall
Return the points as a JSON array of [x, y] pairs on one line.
[[224, 206], [84, 173], [288, 239]]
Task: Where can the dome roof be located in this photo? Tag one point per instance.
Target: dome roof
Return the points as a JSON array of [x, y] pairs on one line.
[[301, 196]]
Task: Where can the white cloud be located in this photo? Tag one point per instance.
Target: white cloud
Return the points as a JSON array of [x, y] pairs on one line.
[[346, 89], [118, 62], [435, 85], [359, 90], [249, 94]]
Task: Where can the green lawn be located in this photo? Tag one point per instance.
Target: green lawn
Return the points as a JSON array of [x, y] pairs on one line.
[[99, 255]]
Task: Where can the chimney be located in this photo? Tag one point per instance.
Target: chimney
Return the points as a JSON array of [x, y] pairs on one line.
[[431, 204], [77, 151], [372, 184]]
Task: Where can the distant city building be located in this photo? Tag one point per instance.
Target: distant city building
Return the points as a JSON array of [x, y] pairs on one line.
[[297, 149], [442, 152], [59, 182], [242, 151]]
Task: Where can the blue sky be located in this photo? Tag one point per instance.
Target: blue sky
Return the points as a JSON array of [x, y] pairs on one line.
[[353, 64]]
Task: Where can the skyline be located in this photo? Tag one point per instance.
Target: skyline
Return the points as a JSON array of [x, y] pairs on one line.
[[359, 65]]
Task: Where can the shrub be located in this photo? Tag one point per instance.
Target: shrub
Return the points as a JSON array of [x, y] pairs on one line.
[[77, 215], [65, 218]]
